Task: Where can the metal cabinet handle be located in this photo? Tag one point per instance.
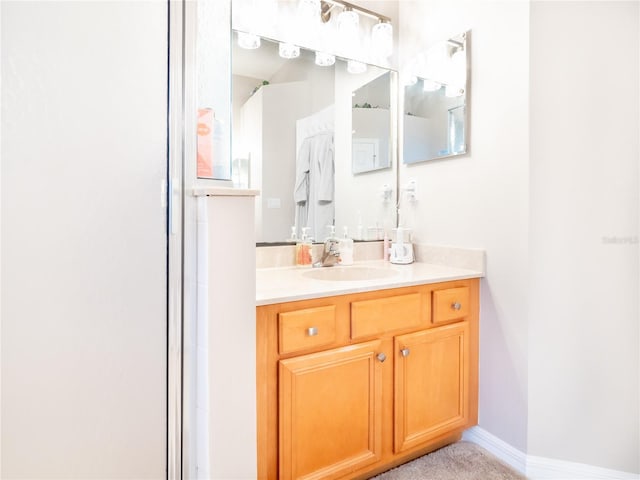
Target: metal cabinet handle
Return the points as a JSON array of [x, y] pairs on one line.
[[405, 352], [312, 331], [456, 306], [381, 357]]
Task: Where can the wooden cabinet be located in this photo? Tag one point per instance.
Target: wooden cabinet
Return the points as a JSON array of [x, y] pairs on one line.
[[352, 385], [431, 377], [330, 412]]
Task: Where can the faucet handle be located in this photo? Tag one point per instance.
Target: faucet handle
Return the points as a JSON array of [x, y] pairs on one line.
[[330, 243]]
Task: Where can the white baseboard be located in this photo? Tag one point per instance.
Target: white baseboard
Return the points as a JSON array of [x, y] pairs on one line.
[[499, 448], [539, 467]]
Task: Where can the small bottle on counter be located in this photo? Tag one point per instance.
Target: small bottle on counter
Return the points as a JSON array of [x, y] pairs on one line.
[[303, 250], [386, 246], [346, 248], [331, 235], [294, 236]]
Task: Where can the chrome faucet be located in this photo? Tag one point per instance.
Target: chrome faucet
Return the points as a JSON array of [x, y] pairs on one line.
[[330, 254]]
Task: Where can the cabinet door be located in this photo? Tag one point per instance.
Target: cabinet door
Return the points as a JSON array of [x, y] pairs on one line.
[[330, 407], [431, 384]]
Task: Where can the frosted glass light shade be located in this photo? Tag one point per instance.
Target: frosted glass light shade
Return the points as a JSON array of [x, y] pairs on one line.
[[288, 50], [325, 59], [409, 79], [248, 40], [459, 68], [348, 21], [309, 8], [382, 39]]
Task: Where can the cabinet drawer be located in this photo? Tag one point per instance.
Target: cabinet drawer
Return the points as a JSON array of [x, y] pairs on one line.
[[374, 317], [304, 329], [450, 304]]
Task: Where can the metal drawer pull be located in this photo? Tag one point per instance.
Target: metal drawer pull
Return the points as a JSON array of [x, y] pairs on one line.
[[312, 331], [405, 352], [381, 356], [456, 306]]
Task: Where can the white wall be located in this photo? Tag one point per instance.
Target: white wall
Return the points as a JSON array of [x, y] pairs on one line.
[[226, 420], [550, 190], [83, 239], [481, 200], [279, 153], [583, 324]]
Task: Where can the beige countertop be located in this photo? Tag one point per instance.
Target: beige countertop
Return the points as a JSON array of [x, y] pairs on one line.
[[286, 284]]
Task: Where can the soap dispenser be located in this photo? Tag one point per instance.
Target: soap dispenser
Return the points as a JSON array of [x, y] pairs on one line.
[[332, 233], [303, 249], [294, 237], [346, 248]]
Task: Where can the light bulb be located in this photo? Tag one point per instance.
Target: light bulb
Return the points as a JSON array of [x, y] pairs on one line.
[[325, 59], [382, 39], [348, 22], [248, 40], [409, 79], [288, 50]]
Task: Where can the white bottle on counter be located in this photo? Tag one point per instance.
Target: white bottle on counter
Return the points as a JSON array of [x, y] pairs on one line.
[[346, 249]]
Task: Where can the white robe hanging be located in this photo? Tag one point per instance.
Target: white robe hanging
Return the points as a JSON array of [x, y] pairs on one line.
[[314, 188]]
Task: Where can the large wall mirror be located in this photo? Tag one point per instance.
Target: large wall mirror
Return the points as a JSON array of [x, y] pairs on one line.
[[435, 103], [318, 141]]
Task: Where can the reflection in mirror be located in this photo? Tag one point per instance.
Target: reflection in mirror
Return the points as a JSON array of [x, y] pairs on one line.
[[371, 124], [213, 68], [292, 140], [435, 103]]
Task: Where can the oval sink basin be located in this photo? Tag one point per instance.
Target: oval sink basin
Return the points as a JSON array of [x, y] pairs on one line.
[[348, 274]]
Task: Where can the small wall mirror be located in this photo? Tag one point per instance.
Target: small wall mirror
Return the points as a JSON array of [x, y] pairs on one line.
[[435, 103], [371, 124]]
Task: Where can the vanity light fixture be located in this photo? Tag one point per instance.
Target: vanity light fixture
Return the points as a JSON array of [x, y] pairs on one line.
[[382, 39], [309, 8], [381, 36], [458, 67], [325, 59], [456, 74], [288, 50], [453, 91], [348, 23], [348, 32], [409, 79], [248, 40]]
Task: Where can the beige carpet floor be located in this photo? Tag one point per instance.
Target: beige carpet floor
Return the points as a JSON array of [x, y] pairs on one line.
[[458, 461]]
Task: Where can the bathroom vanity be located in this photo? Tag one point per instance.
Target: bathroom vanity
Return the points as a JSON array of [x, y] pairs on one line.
[[359, 372]]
